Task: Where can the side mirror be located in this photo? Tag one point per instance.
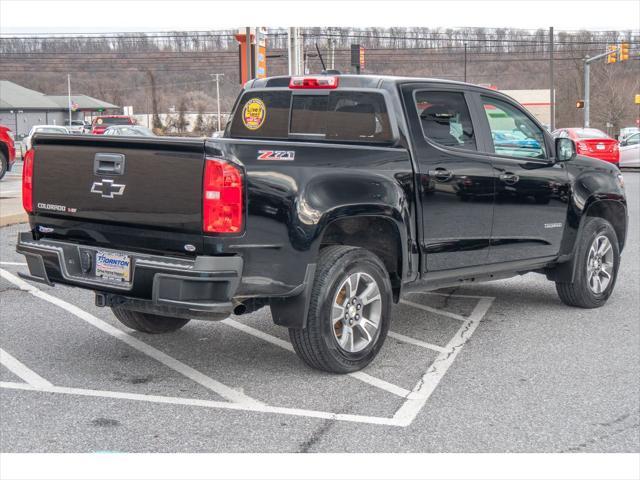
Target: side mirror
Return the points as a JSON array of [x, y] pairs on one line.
[[565, 149], [623, 143]]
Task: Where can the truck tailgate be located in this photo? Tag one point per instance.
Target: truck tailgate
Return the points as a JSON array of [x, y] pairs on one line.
[[151, 182]]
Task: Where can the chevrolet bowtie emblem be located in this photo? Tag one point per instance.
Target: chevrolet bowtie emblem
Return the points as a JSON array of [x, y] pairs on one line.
[[107, 189]]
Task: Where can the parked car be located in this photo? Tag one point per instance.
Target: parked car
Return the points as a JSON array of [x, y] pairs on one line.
[[312, 203], [77, 126], [129, 130], [630, 152], [592, 142], [101, 123], [26, 141], [7, 150], [627, 132]]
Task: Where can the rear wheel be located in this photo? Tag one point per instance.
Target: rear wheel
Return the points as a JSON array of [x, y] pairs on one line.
[[598, 259], [349, 311], [4, 165], [148, 322]]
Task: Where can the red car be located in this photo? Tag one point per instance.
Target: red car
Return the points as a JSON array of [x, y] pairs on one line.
[[592, 142], [7, 150], [101, 123]]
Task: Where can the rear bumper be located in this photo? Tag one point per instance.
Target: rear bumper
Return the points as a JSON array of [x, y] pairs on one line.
[[186, 287]]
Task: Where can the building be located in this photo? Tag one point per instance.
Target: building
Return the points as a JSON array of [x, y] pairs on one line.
[[21, 108], [536, 101]]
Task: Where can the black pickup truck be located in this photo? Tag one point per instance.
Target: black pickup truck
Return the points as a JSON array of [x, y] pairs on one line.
[[327, 197]]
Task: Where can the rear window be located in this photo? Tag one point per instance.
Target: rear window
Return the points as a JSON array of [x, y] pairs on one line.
[[590, 133], [112, 121], [339, 116]]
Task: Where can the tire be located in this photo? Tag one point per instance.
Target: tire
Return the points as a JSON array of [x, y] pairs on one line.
[[581, 292], [4, 165], [148, 322], [318, 344]]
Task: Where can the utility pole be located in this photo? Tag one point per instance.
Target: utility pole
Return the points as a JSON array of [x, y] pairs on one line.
[[587, 86], [465, 61], [248, 55], [217, 75], [332, 49], [552, 92], [69, 95], [290, 37]]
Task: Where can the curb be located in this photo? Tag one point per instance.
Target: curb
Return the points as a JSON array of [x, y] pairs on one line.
[[7, 220]]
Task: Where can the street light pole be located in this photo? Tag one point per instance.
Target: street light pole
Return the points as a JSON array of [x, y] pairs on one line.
[[552, 94], [465, 62], [69, 96], [587, 86], [217, 75]]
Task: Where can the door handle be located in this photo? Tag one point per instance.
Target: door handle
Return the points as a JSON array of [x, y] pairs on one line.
[[108, 164], [509, 178], [441, 174]]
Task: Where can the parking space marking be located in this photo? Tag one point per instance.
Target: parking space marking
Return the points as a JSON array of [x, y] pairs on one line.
[[223, 390], [22, 371], [195, 402], [416, 342], [17, 264], [403, 417], [363, 377], [425, 387], [429, 309]]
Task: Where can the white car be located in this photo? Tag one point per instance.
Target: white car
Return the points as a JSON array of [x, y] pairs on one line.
[[26, 141], [77, 126], [627, 132], [630, 151]]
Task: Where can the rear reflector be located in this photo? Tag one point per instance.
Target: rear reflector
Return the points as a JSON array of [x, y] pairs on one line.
[[319, 82], [27, 181], [222, 197]]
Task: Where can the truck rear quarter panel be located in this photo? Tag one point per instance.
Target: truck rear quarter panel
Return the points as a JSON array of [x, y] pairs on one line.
[[291, 202]]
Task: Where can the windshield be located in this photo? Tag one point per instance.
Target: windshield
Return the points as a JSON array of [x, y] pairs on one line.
[[590, 133]]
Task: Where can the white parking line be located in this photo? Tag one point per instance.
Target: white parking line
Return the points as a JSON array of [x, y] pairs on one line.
[[404, 416], [20, 264], [425, 387], [363, 377], [413, 341], [22, 371], [195, 402], [426, 308], [223, 390]]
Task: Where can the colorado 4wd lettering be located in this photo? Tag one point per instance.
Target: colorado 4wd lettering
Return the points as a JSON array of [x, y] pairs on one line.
[[276, 154], [57, 208]]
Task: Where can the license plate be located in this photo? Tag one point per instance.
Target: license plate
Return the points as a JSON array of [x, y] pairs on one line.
[[600, 146], [113, 266]]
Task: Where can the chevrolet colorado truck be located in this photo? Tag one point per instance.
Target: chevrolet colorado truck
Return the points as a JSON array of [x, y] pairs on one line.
[[326, 199]]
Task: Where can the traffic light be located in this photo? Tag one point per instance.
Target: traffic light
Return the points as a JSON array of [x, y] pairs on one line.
[[580, 104], [623, 53], [611, 58]]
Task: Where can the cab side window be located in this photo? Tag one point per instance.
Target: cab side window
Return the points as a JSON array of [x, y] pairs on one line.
[[633, 139], [513, 133], [445, 119]]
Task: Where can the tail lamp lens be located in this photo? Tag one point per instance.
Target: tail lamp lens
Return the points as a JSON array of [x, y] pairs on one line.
[[27, 181], [222, 197]]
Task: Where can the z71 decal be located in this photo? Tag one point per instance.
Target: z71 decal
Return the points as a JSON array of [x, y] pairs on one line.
[[276, 154]]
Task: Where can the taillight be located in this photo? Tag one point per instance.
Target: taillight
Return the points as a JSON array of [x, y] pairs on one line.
[[319, 82], [27, 181], [222, 197]]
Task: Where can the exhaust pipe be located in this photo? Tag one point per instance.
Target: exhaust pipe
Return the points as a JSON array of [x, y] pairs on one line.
[[239, 308]]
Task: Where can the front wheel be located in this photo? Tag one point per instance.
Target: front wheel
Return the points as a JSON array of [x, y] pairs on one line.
[[349, 311], [148, 322], [598, 260]]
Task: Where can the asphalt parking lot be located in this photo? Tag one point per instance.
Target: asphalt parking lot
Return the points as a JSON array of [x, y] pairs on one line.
[[495, 367]]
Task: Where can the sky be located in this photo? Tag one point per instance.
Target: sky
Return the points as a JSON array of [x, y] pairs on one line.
[[92, 16]]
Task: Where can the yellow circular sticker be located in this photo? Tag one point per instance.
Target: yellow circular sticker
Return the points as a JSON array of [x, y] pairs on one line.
[[253, 114]]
